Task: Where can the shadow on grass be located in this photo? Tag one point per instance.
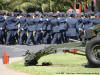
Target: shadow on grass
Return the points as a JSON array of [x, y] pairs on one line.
[[87, 65]]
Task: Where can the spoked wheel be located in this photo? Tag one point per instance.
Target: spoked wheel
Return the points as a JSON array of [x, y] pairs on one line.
[[93, 51]]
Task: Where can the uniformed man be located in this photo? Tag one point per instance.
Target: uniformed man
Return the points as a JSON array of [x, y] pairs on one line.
[[55, 28], [2, 28], [96, 20], [72, 23], [80, 26], [48, 34], [45, 23], [39, 25], [30, 27], [23, 29], [87, 23], [63, 27], [12, 28], [96, 27]]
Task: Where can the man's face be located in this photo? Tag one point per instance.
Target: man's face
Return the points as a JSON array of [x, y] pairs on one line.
[[24, 15], [40, 15], [12, 14]]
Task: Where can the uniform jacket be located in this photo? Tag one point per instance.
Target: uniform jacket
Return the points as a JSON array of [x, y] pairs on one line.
[[96, 21], [39, 23], [12, 23], [87, 22], [62, 24], [23, 24], [72, 24], [49, 23], [55, 25], [30, 24], [45, 23], [2, 23]]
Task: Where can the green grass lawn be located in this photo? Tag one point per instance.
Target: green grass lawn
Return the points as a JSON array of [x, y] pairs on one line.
[[62, 63], [68, 45]]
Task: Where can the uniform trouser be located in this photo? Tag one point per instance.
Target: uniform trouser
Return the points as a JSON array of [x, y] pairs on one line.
[[56, 39], [2, 36], [23, 37], [84, 37], [38, 37], [12, 37], [47, 39], [63, 37], [44, 33], [30, 38]]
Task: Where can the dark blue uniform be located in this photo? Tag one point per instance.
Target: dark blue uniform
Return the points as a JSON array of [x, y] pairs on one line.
[[39, 25], [87, 23], [48, 34], [44, 27], [72, 31], [79, 27], [11, 27], [23, 30], [2, 29], [96, 20], [63, 28], [30, 27], [80, 23], [56, 31]]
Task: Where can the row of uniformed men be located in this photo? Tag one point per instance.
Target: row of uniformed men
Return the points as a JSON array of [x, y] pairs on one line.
[[50, 29]]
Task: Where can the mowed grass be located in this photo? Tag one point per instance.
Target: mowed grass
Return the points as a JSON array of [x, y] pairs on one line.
[[63, 63], [69, 45]]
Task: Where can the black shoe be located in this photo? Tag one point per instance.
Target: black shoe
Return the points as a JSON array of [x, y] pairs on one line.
[[7, 44], [28, 44]]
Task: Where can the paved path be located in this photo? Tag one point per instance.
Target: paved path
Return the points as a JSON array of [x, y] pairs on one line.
[[15, 52], [4, 70], [19, 50]]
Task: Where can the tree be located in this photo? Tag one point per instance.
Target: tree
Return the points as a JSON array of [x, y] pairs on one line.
[[41, 5]]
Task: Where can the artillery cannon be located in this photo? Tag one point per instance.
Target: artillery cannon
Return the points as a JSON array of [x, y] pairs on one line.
[[93, 45], [92, 49]]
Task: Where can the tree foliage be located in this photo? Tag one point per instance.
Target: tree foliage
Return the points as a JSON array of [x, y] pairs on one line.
[[34, 5]]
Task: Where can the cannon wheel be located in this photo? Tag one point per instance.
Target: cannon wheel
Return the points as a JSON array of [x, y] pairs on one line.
[[93, 51]]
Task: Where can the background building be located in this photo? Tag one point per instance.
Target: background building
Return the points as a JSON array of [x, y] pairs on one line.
[[97, 5]]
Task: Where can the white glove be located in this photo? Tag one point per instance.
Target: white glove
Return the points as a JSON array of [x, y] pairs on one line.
[[1, 28]]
